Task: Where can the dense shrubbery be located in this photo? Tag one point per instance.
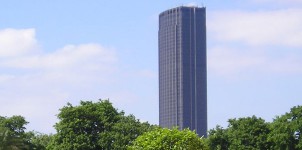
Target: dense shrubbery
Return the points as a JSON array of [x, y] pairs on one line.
[[96, 126]]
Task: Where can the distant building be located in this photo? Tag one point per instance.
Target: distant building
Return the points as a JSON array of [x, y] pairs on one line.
[[183, 69]]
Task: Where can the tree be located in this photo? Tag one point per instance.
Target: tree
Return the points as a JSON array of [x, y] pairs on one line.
[[8, 141], [286, 130], [12, 135], [94, 126], [15, 124], [168, 139], [248, 133], [38, 141], [126, 130], [218, 138]]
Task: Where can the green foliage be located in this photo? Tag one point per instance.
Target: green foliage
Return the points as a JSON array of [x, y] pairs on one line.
[[218, 139], [248, 133], [8, 141], [126, 130], [38, 141], [283, 133], [14, 124], [12, 135], [286, 130], [169, 139], [94, 126]]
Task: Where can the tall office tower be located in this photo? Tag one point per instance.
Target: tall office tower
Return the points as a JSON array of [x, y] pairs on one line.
[[183, 69]]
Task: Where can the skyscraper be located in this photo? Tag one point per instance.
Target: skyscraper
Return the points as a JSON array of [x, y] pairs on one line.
[[183, 69]]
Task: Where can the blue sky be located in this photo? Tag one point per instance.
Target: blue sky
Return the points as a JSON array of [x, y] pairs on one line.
[[54, 52]]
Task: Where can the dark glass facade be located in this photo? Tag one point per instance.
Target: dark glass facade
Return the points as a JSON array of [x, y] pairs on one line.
[[183, 69]]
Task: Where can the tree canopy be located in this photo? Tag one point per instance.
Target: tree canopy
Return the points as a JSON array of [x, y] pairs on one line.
[[248, 133], [286, 130], [169, 139], [98, 125], [94, 126], [12, 134], [253, 133]]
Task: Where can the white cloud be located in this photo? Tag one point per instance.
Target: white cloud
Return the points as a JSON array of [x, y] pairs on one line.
[[227, 61], [255, 41], [5, 78], [17, 42], [37, 108], [279, 27], [231, 61], [36, 84], [288, 64], [279, 1], [68, 56]]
